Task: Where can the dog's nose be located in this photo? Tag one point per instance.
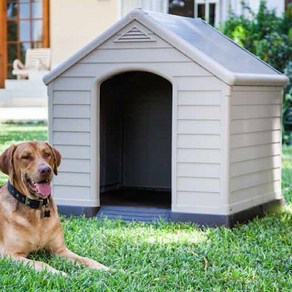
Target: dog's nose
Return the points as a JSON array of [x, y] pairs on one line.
[[45, 169]]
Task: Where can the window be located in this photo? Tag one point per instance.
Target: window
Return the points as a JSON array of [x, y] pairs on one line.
[[152, 5], [26, 22], [181, 7], [206, 9]]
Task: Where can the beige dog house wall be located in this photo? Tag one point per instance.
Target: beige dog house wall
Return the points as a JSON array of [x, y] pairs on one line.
[[167, 103]]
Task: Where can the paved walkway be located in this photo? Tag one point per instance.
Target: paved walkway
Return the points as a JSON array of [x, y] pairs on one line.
[[23, 113]]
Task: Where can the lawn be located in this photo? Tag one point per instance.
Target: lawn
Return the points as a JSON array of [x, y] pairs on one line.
[[160, 256]]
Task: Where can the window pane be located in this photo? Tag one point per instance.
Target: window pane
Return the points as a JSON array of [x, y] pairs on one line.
[[37, 30], [37, 10], [183, 8], [24, 10], [24, 30], [11, 30], [23, 48], [12, 52], [202, 11], [212, 9], [9, 73], [11, 10], [36, 45]]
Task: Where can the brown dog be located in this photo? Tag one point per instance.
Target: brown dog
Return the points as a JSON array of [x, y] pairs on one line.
[[28, 215]]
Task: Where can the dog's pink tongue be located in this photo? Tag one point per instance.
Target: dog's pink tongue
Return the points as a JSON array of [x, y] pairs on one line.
[[44, 189]]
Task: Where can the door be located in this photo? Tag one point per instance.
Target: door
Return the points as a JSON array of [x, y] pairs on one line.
[[135, 132]]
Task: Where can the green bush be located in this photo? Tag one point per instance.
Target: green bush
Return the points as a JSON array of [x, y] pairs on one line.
[[269, 37]]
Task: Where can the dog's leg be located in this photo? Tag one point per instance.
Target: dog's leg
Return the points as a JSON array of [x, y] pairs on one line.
[[37, 265], [66, 253]]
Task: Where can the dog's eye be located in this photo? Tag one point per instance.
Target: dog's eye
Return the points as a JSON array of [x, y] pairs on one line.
[[47, 155], [26, 157]]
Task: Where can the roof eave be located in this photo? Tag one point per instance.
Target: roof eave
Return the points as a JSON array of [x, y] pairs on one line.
[[260, 79]]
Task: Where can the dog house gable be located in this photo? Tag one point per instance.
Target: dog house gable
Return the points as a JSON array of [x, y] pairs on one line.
[[203, 82]]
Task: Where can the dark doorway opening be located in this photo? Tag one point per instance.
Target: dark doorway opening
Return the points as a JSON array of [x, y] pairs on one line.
[[135, 140]]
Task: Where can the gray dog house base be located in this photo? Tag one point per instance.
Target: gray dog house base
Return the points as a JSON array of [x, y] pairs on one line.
[[166, 111]]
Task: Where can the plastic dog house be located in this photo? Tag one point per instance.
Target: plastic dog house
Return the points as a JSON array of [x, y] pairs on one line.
[[167, 103]]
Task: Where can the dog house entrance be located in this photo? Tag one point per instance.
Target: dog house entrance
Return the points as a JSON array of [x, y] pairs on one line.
[[135, 140]]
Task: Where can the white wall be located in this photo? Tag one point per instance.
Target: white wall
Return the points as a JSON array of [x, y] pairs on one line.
[[154, 5], [74, 23], [279, 5], [254, 5]]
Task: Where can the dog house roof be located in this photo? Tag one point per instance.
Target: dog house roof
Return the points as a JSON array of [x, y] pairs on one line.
[[196, 39]]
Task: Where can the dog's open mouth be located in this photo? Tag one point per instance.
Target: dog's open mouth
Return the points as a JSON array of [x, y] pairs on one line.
[[41, 189]]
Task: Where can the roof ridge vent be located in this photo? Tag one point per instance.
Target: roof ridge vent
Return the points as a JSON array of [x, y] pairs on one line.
[[135, 34]]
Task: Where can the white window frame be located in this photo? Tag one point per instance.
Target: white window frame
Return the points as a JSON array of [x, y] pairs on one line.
[[207, 2], [125, 6]]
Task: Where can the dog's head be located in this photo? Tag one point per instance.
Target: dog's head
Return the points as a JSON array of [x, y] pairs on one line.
[[30, 166]]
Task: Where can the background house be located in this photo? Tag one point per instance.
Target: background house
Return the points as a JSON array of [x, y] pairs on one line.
[[65, 26], [98, 15]]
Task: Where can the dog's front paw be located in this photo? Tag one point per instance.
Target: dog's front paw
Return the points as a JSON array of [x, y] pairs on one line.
[[92, 264], [62, 273], [56, 272]]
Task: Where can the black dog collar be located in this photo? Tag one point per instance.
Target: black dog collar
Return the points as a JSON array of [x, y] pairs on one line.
[[34, 204]]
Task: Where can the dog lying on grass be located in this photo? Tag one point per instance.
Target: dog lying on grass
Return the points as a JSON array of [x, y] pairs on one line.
[[29, 219]]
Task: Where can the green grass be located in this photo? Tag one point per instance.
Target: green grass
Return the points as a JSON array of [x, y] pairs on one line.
[[287, 173], [164, 257]]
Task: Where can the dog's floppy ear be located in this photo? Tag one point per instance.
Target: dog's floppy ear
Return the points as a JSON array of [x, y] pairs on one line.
[[57, 158], [6, 161]]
